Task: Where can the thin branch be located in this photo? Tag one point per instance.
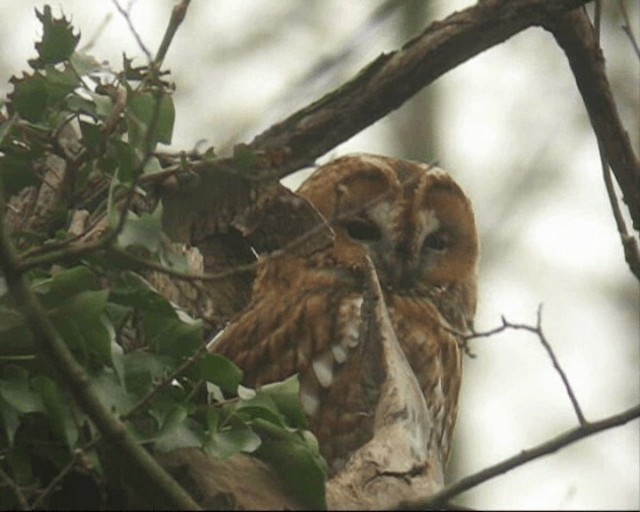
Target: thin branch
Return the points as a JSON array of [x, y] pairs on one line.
[[149, 397], [126, 15], [576, 36], [8, 482], [629, 243], [569, 437], [627, 28], [537, 330], [39, 503], [177, 16], [556, 365]]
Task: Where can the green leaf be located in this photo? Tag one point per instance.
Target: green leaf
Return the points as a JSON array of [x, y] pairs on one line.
[[171, 336], [17, 173], [16, 394], [144, 230], [286, 396], [57, 409], [113, 395], [55, 290], [15, 338], [5, 127], [29, 96], [79, 321], [150, 117], [218, 370], [58, 40], [223, 444], [141, 369], [301, 469], [16, 399], [133, 291], [261, 406], [84, 64], [178, 431]]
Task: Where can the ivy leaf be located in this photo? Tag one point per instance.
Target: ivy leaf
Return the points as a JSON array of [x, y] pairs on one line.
[[29, 96], [178, 431], [113, 394], [297, 462], [58, 40], [16, 172], [57, 409], [55, 290], [286, 397], [150, 117], [143, 230], [84, 64], [81, 324], [225, 443], [218, 370]]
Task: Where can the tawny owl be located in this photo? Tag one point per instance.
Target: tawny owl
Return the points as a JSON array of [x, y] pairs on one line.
[[417, 227]]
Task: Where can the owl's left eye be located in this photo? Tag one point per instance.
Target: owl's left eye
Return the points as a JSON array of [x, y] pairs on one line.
[[437, 241], [363, 230]]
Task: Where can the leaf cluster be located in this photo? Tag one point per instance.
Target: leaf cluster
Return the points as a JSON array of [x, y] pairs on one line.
[[144, 354]]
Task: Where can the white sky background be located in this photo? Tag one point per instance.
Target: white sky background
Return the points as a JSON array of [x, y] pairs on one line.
[[513, 131]]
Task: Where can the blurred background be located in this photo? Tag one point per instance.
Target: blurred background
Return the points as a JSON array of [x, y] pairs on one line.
[[510, 126]]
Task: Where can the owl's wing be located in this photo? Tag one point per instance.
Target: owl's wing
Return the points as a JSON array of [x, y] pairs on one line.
[[308, 328]]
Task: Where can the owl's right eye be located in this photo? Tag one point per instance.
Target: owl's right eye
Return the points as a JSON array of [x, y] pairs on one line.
[[362, 230]]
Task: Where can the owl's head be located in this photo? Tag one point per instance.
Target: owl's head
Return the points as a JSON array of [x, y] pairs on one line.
[[413, 220]]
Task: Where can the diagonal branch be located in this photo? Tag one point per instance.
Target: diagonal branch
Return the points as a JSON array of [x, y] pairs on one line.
[[568, 437], [576, 35], [393, 78]]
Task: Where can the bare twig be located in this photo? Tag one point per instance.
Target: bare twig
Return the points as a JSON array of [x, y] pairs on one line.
[[570, 436], [7, 481], [537, 330], [177, 16], [126, 15], [627, 28], [55, 481], [629, 243], [576, 36]]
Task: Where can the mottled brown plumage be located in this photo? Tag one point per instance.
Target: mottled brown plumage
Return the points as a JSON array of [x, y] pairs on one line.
[[417, 227]]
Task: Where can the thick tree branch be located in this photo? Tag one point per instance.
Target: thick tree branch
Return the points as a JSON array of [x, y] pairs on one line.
[[576, 35], [570, 436], [393, 78]]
